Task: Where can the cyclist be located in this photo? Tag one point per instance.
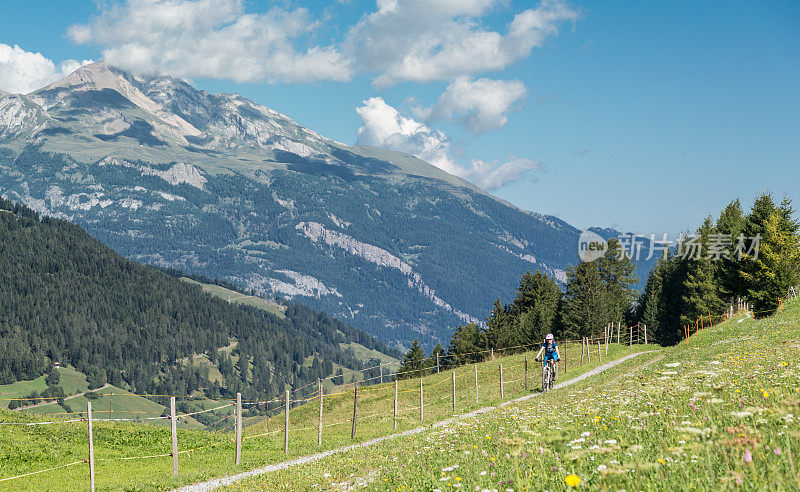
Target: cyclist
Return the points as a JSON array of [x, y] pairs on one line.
[[550, 349]]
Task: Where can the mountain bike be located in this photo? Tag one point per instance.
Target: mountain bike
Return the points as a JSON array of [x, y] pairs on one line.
[[549, 374]]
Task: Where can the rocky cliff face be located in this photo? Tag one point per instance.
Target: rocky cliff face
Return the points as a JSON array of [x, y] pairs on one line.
[[219, 185]]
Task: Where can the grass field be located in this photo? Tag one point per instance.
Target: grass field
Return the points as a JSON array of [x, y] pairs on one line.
[[234, 297], [718, 413], [72, 381], [206, 454]]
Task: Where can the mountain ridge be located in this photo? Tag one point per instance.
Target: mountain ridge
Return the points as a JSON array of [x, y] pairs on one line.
[[217, 185]]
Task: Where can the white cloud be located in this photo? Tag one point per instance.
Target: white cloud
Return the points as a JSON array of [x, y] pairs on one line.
[[212, 38], [493, 175], [23, 71], [424, 40], [383, 126], [481, 104]]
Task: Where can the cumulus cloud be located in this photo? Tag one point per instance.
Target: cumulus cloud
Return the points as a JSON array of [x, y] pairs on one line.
[[481, 104], [23, 71], [383, 126], [424, 40], [212, 38]]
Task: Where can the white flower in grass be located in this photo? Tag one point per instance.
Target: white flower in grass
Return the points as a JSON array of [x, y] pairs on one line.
[[601, 468]]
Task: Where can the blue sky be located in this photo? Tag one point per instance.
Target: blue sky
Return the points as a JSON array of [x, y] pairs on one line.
[[645, 116]]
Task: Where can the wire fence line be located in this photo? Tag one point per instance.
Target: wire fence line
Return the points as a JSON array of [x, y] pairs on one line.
[[394, 411], [389, 409]]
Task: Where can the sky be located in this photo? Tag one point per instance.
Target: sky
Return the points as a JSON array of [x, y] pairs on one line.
[[643, 116]]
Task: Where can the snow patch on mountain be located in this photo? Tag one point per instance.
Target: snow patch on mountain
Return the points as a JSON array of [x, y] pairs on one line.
[[317, 232]]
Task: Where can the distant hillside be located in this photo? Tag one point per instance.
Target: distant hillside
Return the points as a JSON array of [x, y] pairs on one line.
[[64, 297], [220, 186]]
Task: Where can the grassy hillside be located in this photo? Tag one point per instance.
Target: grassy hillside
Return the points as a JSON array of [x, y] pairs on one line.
[[66, 298], [718, 413], [233, 297], [32, 448]]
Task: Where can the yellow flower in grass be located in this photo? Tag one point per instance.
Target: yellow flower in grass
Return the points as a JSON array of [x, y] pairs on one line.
[[765, 394], [572, 480]]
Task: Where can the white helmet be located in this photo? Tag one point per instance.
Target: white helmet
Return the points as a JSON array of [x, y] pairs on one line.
[[549, 336]]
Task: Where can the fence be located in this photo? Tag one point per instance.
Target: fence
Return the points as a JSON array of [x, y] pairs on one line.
[[403, 399]]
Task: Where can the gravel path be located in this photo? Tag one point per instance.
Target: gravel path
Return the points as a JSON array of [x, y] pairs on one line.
[[219, 482]]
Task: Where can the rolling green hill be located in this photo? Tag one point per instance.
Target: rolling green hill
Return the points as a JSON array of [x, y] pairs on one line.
[[716, 413], [212, 451], [66, 298]]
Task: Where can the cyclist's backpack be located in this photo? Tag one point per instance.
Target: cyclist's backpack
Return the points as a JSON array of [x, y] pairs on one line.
[[549, 348]]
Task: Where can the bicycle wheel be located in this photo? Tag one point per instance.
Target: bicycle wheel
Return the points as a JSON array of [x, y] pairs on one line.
[[552, 375], [545, 377]]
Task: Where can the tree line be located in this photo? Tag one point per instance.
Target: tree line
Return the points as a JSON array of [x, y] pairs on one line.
[[753, 256], [65, 297]]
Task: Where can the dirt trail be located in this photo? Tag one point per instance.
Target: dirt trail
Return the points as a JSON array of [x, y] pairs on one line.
[[220, 482]]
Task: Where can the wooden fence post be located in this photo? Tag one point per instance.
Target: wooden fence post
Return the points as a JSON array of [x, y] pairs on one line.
[[599, 356], [174, 426], [492, 353], [286, 424], [380, 367], [238, 428], [588, 350], [526, 373], [619, 325], [502, 393], [476, 383], [583, 340], [454, 391], [608, 335], [630, 337], [565, 356], [319, 430], [421, 403], [645, 334], [395, 404], [91, 446], [437, 364], [355, 412]]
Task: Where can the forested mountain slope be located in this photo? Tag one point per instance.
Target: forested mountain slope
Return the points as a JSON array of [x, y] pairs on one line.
[[217, 185], [65, 297]]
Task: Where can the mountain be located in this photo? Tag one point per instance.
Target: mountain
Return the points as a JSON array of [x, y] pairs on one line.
[[217, 185], [65, 297]]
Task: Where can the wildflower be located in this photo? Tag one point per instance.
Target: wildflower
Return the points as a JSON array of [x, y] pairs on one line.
[[572, 480], [777, 451], [766, 394], [748, 456], [662, 461]]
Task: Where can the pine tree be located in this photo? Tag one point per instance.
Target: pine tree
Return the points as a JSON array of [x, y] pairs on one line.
[[768, 276], [535, 306], [700, 291], [500, 330], [777, 266], [413, 362], [584, 301], [649, 306], [466, 343], [730, 225], [618, 272]]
